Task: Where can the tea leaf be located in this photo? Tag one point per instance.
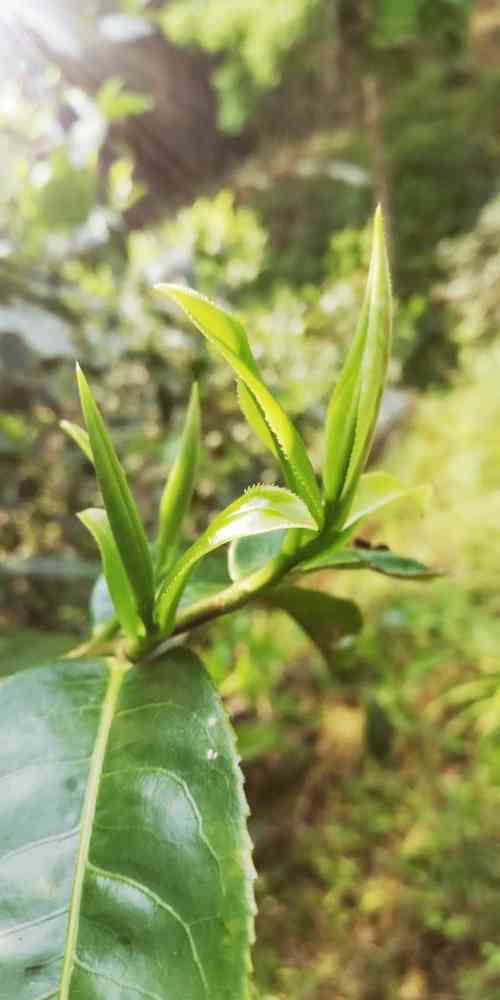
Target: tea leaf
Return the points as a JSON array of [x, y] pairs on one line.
[[122, 512], [355, 402], [260, 509], [245, 555], [255, 419], [376, 490], [179, 488], [228, 336], [122, 595], [378, 560], [79, 436], [124, 823], [324, 618]]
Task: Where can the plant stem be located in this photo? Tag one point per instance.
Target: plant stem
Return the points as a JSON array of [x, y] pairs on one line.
[[98, 640], [235, 596], [230, 599]]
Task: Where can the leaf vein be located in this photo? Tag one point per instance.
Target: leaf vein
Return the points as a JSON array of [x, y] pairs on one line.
[[34, 923], [162, 904], [117, 982], [55, 838], [190, 798]]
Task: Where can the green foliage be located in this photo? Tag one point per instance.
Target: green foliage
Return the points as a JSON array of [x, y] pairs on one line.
[[226, 333], [354, 406], [254, 39], [259, 510], [385, 880], [225, 242], [115, 103], [469, 264], [119, 586], [324, 618], [159, 862], [126, 525], [178, 492]]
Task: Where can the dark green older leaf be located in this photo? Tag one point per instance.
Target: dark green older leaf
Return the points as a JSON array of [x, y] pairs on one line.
[[120, 507], [265, 414], [379, 560], [324, 618], [125, 868]]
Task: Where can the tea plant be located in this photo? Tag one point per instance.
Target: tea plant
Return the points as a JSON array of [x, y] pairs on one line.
[[126, 867]]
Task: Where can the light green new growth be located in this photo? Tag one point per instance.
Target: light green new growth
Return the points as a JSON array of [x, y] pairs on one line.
[[355, 402], [119, 587], [178, 491], [122, 512], [228, 336]]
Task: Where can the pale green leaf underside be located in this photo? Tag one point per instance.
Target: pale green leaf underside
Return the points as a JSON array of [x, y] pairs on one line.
[[122, 595], [248, 554], [125, 868], [259, 510], [228, 336], [80, 438]]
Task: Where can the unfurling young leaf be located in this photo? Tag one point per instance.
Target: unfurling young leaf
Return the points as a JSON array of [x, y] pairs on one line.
[[79, 436], [259, 510], [378, 489], [122, 512], [355, 402], [179, 488], [118, 583], [228, 336]]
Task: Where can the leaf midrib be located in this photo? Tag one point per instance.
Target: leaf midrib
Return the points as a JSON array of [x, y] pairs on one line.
[[117, 671]]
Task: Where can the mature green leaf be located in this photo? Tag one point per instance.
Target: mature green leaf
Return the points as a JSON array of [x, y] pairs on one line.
[[228, 336], [390, 564], [179, 489], [28, 647], [122, 512], [324, 618], [376, 490], [79, 436], [355, 402], [379, 560], [245, 555], [260, 509], [122, 595], [125, 867]]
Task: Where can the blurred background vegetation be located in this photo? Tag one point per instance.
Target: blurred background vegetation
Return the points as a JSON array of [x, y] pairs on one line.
[[240, 145]]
